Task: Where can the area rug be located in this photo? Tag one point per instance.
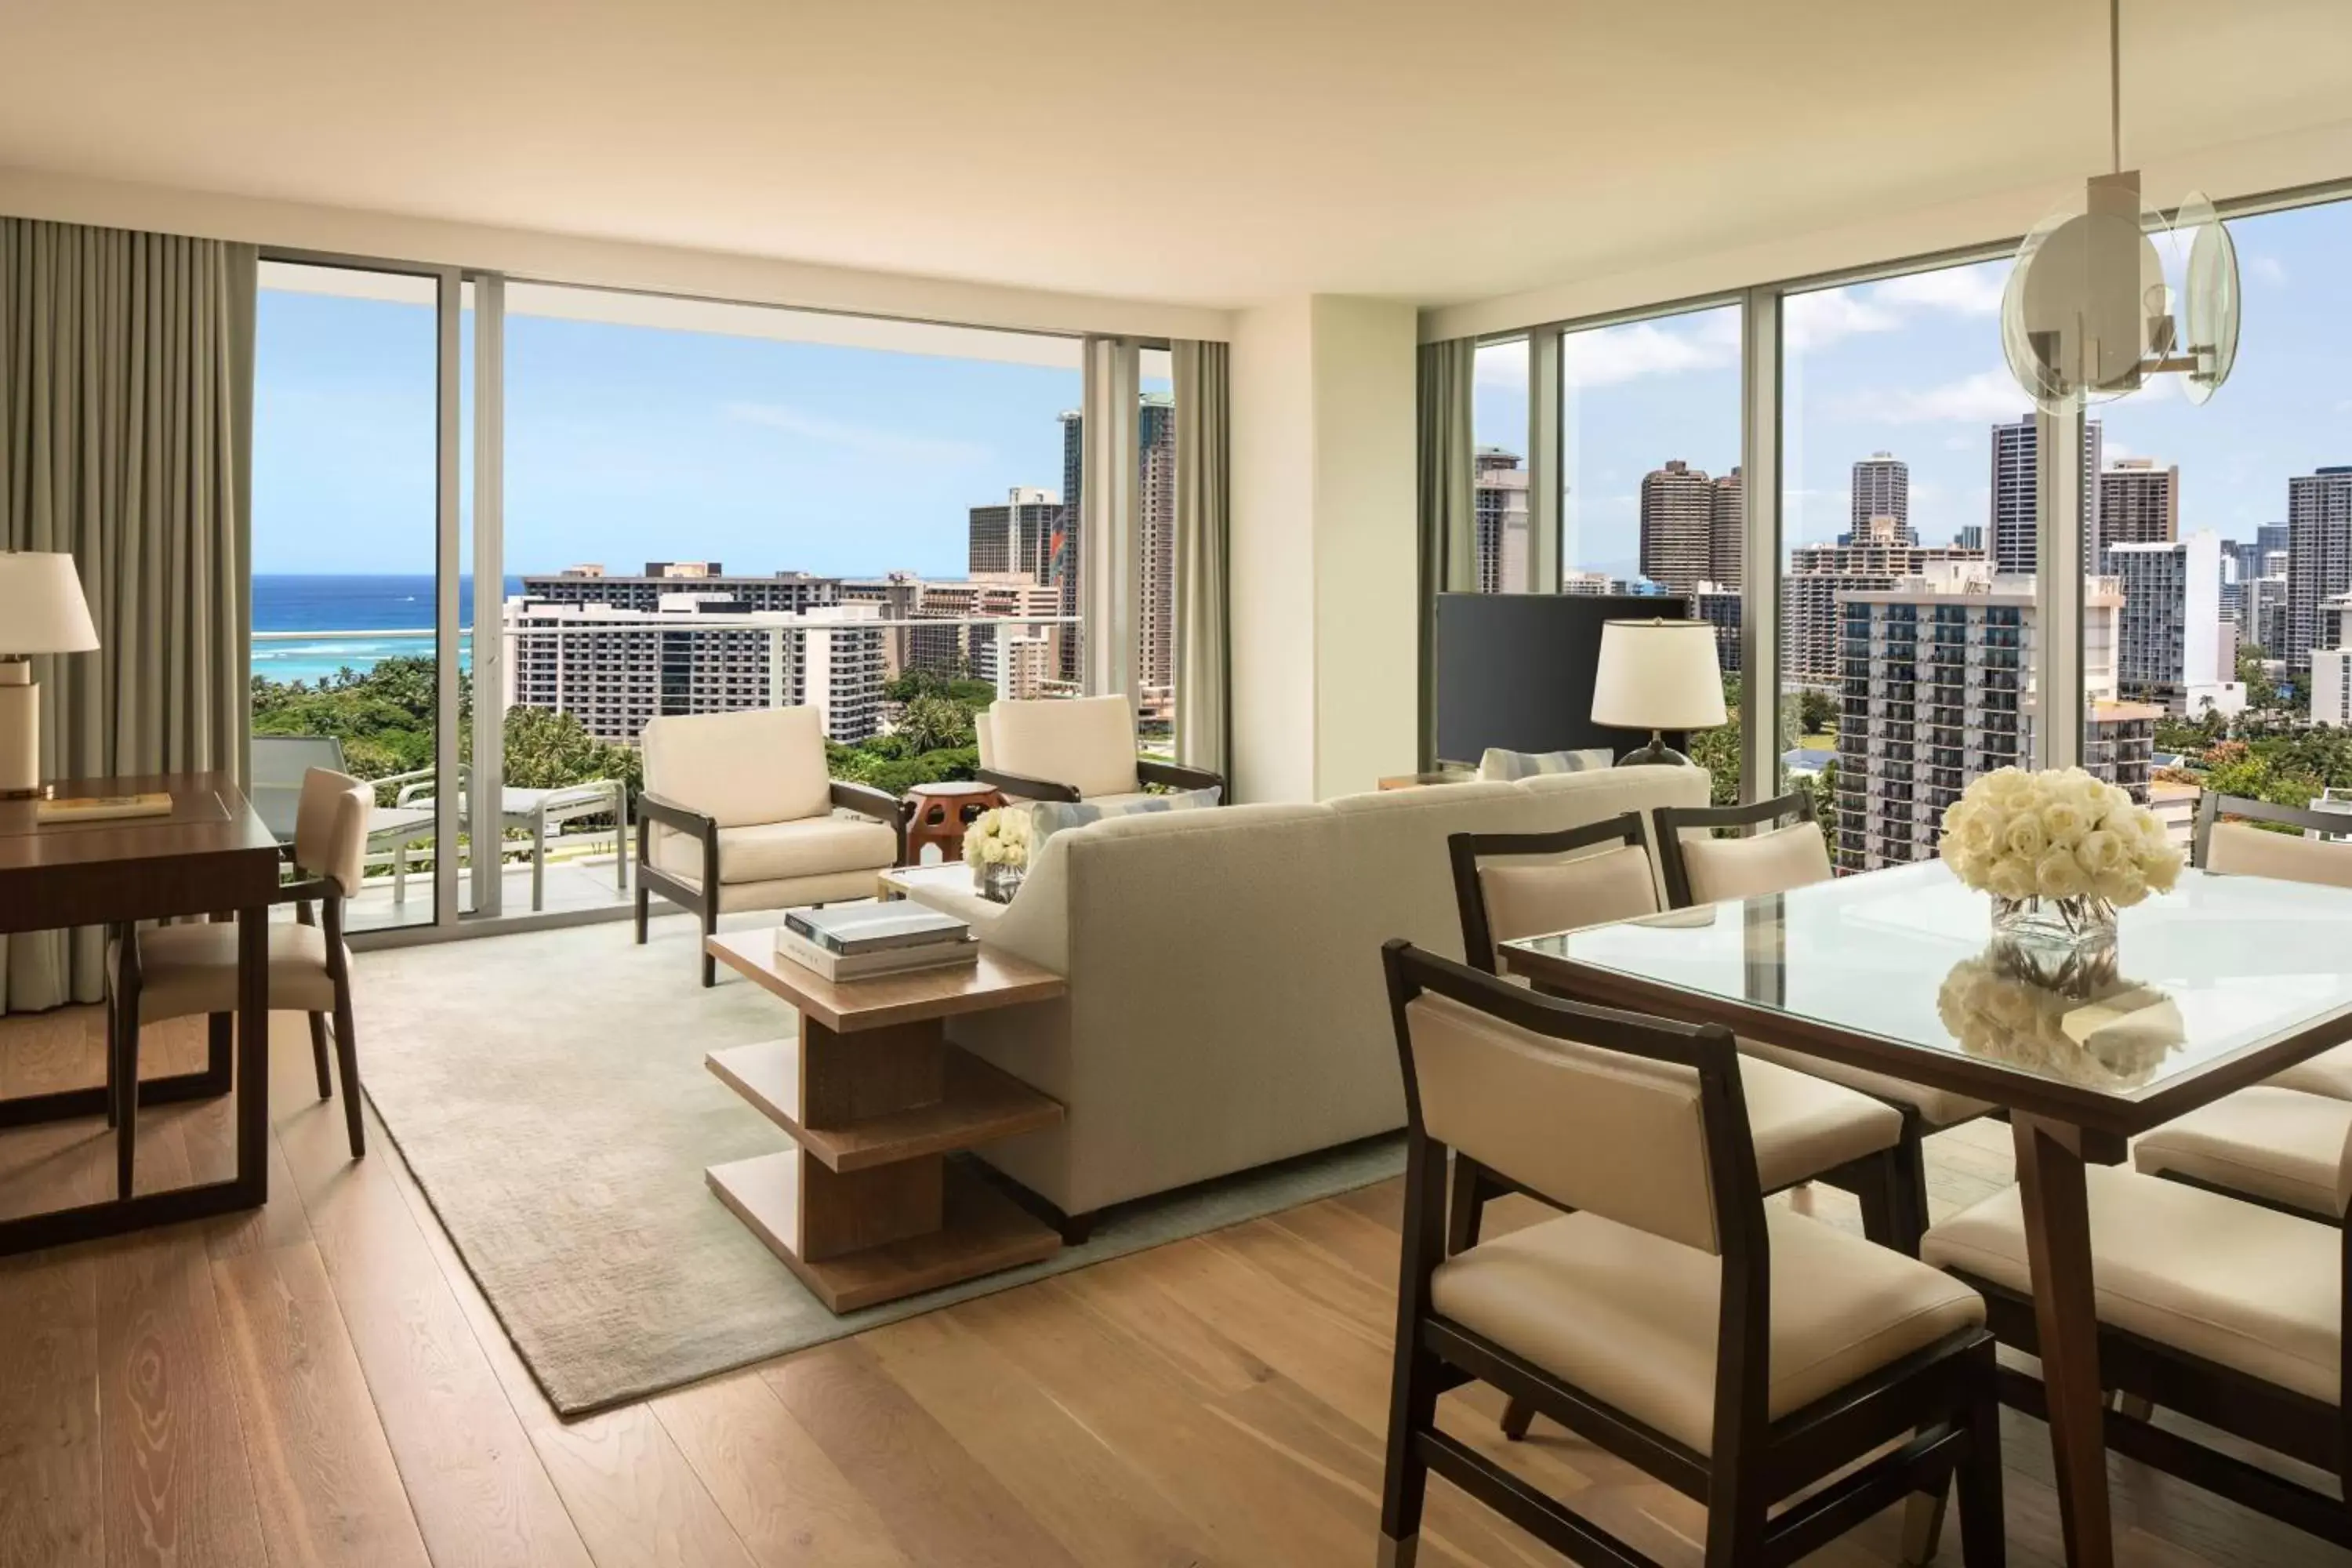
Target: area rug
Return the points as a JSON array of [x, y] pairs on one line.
[[549, 1093]]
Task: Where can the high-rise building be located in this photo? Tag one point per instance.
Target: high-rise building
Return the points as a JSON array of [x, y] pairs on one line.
[[2264, 620], [2139, 503], [1155, 532], [1717, 603], [1499, 489], [1065, 548], [2014, 524], [2331, 686], [964, 608], [1726, 525], [1938, 689], [1016, 535], [616, 669], [788, 593], [1970, 536], [2269, 536], [1818, 575], [1882, 487], [2169, 632], [1678, 523], [2319, 555]]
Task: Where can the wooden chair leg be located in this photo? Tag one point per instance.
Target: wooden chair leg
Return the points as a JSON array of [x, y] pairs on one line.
[[1984, 1540], [710, 927], [347, 1063], [1413, 1410], [644, 899], [113, 1058], [1922, 1526], [318, 1054], [126, 1098]]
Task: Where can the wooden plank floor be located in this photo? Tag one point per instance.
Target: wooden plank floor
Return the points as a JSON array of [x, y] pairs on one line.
[[322, 1382]]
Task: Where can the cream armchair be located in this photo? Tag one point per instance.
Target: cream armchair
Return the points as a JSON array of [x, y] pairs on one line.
[[1072, 748], [739, 814]]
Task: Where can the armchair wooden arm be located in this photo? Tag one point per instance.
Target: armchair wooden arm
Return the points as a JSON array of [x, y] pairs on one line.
[[880, 804], [702, 900], [1175, 775], [1022, 786]]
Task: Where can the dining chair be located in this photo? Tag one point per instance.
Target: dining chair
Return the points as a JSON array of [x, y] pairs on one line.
[[1739, 1355], [2225, 1311], [179, 971], [2316, 854], [1790, 852]]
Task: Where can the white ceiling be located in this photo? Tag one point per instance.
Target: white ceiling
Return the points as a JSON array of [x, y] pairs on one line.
[[1208, 151]]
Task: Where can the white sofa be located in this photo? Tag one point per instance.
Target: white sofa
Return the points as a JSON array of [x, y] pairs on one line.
[[1225, 1005]]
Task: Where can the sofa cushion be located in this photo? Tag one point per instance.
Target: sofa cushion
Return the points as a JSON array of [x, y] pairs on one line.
[[1632, 1318], [2216, 1277], [1506, 766], [762, 765], [1048, 817], [775, 851], [1086, 743]]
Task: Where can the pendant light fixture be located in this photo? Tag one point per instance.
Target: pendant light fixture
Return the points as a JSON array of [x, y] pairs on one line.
[[2109, 295]]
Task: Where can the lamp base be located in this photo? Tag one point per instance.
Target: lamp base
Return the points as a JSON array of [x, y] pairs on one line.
[[20, 733], [1656, 754]]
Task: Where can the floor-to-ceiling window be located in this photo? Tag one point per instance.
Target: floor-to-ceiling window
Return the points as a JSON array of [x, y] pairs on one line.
[[1650, 488], [1906, 525], [1499, 459], [346, 559]]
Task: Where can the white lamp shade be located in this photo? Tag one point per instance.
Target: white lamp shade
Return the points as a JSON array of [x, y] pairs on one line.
[[1658, 674], [41, 606]]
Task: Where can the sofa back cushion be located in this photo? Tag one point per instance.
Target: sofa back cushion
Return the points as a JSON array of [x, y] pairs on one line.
[[764, 765], [1086, 743], [1048, 817]]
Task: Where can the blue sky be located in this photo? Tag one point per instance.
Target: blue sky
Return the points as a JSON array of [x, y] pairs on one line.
[[626, 443], [1912, 366]]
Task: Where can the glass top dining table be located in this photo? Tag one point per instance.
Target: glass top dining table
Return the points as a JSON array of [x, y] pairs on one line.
[[2218, 985], [2221, 981]]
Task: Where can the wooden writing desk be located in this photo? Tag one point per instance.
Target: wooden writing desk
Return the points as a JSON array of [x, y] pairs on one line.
[[210, 855]]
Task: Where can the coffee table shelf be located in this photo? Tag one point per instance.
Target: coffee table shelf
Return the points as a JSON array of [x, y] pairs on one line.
[[982, 1104], [864, 1206]]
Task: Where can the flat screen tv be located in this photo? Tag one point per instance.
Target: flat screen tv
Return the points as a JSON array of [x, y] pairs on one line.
[[1514, 670]]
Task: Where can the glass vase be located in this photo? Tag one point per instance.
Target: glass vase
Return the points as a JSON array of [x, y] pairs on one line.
[[998, 882], [2066, 945]]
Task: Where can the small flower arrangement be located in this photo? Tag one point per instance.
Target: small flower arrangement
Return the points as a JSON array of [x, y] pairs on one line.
[[996, 846], [2060, 836]]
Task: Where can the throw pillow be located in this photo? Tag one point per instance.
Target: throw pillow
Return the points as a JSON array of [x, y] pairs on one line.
[[1505, 766], [1048, 817]]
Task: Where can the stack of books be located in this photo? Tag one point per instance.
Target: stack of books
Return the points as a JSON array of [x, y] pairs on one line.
[[859, 942]]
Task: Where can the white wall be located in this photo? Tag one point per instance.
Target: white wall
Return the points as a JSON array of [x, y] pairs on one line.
[[1324, 559]]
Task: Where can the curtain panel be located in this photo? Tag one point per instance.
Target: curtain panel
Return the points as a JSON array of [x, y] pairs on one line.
[[1449, 523], [126, 439], [1203, 636]]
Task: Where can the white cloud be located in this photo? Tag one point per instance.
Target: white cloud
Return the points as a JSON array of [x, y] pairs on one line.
[[1607, 355], [1989, 396], [864, 440], [1970, 290], [1815, 321], [2267, 269], [1501, 364]]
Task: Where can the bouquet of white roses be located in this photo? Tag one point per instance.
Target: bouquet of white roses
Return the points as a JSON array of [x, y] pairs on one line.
[[998, 838], [2057, 835]]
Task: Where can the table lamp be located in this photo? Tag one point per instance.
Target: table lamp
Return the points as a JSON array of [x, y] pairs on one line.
[[1658, 674], [41, 611]]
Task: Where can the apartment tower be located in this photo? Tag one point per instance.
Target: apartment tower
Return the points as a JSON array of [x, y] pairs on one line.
[[2319, 556], [2016, 500], [1499, 490], [1678, 525], [2139, 503], [1882, 487], [1016, 535]]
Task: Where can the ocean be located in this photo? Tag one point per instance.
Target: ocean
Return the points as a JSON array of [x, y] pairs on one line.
[[290, 612]]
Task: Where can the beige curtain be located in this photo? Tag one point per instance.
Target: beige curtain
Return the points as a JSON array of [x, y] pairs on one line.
[[126, 413], [1204, 640], [1449, 525]]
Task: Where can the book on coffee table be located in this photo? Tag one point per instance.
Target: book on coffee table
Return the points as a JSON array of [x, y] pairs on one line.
[[852, 929], [840, 966]]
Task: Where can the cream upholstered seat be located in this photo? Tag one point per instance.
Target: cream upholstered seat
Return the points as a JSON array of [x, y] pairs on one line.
[[2237, 850], [1669, 1317], [1631, 1318], [177, 971], [1702, 869], [1072, 748], [747, 796], [2271, 1142], [2231, 1282]]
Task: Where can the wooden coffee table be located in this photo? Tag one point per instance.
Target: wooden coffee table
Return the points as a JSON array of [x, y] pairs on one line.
[[863, 1206]]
